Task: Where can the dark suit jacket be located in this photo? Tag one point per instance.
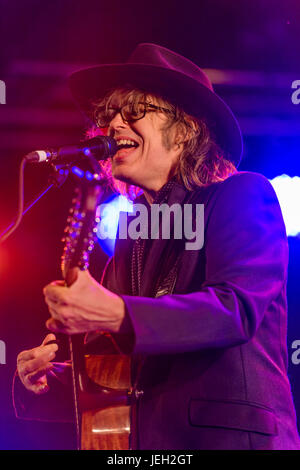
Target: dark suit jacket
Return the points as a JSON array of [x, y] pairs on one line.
[[214, 351], [215, 355]]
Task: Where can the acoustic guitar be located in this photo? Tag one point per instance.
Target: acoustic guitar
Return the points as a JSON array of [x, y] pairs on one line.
[[102, 388]]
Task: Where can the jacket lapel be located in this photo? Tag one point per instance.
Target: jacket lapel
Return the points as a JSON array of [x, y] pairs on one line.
[[160, 249]]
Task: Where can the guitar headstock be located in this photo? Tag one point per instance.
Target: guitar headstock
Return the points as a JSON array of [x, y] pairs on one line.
[[80, 232]]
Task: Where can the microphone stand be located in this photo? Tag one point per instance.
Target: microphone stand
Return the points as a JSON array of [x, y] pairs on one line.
[[56, 179]]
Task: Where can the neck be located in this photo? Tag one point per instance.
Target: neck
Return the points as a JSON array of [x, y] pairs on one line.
[[150, 196]]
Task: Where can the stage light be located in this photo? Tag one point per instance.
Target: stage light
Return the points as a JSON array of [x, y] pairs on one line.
[[288, 192], [109, 218]]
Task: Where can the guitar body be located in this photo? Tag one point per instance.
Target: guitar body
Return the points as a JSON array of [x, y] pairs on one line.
[[107, 428], [101, 383]]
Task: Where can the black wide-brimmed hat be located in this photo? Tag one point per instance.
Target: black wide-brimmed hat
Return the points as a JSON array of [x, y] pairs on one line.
[[155, 69]]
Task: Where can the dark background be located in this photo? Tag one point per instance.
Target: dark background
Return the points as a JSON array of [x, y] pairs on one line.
[[251, 51]]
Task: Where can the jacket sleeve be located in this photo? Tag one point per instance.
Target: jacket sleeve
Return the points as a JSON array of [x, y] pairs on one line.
[[246, 254]]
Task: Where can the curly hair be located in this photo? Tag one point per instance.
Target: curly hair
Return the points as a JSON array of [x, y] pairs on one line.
[[201, 162]]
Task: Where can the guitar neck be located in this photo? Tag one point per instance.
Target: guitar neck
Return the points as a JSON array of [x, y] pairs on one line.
[[71, 275], [79, 235]]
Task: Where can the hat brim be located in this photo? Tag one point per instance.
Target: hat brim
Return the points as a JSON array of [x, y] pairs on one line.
[[194, 98]]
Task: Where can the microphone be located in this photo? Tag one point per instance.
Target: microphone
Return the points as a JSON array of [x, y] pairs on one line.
[[100, 147]]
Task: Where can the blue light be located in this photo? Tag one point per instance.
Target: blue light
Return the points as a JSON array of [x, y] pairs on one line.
[[77, 171], [87, 152], [288, 192], [89, 176], [109, 215]]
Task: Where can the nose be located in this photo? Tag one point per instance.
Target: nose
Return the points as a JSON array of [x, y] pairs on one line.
[[117, 123]]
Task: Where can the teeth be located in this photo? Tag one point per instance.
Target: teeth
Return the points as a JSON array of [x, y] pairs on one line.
[[126, 142]]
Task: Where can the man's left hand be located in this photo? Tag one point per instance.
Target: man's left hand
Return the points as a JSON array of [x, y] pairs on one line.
[[82, 307]]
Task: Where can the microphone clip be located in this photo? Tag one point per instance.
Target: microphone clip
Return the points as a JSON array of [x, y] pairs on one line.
[[59, 174]]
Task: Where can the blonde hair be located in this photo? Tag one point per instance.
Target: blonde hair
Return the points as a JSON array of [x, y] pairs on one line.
[[201, 162]]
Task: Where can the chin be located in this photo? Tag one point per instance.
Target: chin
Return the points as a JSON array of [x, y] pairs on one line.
[[124, 177]]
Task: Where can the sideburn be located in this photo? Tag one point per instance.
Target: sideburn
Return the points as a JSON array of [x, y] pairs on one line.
[[169, 137]]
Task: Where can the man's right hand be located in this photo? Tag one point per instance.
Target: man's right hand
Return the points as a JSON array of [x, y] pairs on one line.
[[33, 365]]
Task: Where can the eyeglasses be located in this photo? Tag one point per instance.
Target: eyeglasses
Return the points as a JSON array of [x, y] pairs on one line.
[[129, 113]]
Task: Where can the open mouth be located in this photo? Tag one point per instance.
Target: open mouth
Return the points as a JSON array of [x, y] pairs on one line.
[[126, 144]]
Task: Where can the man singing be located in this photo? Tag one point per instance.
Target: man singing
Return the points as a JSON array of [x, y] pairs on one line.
[[207, 326]]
